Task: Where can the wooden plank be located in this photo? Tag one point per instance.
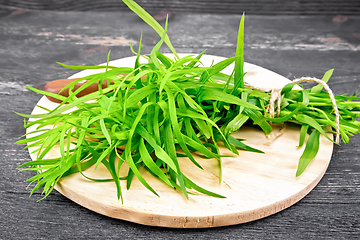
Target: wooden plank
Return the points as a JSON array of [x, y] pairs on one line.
[[331, 210], [311, 221], [265, 7]]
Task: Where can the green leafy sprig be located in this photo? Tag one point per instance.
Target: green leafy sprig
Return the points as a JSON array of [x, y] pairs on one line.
[[157, 108]]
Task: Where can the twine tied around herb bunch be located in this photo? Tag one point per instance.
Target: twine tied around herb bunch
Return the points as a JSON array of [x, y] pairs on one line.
[[275, 97]]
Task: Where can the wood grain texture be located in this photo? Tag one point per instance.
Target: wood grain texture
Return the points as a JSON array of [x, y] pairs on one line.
[[28, 57], [160, 7]]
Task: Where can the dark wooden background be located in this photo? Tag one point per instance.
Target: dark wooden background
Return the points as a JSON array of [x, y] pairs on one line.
[[278, 36], [267, 7]]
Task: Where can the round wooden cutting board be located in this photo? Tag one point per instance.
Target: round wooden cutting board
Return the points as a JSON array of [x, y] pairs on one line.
[[255, 185]]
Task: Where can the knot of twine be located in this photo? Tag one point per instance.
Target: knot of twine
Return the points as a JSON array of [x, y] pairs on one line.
[[275, 97]]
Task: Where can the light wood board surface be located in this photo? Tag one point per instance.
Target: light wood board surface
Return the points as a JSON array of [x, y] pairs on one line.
[[255, 185]]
